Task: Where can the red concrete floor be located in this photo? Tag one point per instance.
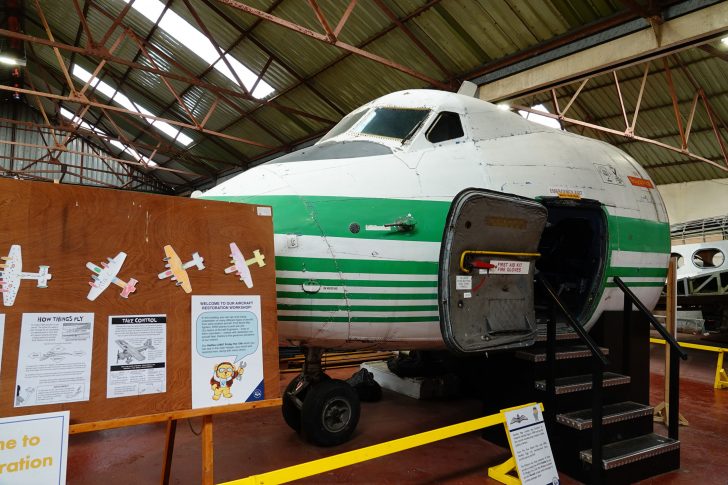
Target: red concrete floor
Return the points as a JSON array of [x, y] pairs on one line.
[[259, 441]]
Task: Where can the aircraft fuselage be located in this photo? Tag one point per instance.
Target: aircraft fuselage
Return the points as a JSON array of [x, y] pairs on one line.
[[359, 217]]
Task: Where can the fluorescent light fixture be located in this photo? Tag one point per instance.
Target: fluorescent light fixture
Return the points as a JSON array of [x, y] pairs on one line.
[[119, 98], [540, 119], [503, 106], [12, 61], [121, 146], [724, 40], [187, 35]]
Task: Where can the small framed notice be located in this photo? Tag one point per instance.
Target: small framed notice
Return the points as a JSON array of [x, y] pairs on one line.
[[34, 449], [530, 445]]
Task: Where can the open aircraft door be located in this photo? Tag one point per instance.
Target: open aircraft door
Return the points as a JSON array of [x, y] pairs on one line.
[[486, 294]]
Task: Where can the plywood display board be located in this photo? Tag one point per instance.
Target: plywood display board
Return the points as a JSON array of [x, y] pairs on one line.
[[65, 227]]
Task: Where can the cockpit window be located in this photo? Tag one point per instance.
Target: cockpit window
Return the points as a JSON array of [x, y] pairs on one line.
[[399, 123], [345, 124], [447, 126]]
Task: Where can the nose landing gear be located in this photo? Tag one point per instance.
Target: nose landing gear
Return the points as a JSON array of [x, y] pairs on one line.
[[324, 411]]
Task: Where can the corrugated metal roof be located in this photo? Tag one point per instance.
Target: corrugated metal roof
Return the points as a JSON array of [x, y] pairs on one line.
[[598, 103], [315, 81]]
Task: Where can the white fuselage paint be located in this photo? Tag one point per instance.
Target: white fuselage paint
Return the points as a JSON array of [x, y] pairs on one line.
[[499, 151]]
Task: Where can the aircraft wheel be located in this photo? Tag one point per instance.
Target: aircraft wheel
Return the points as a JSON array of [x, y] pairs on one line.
[[330, 413], [291, 413]]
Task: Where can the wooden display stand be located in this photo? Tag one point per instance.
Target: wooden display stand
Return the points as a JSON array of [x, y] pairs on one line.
[[65, 226], [661, 411]]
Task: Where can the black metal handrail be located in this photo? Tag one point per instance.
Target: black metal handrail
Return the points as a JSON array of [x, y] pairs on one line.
[[658, 326], [600, 362], [673, 418]]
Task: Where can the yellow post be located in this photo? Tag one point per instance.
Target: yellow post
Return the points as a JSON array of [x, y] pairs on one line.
[[721, 379]]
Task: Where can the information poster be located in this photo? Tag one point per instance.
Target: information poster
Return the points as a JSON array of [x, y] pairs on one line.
[[530, 445], [227, 350], [54, 358], [137, 355], [2, 338], [34, 449]]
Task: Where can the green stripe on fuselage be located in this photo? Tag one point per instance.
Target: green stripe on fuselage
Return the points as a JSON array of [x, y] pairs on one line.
[[637, 272], [640, 235], [303, 318], [286, 263], [373, 284], [359, 308], [332, 216], [357, 296]]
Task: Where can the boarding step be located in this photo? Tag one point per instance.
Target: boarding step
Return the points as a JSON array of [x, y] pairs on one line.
[[563, 332], [612, 413], [632, 450], [566, 385], [538, 355]]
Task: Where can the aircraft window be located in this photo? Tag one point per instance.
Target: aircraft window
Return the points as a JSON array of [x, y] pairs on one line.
[[344, 125], [400, 123], [447, 126], [708, 258]]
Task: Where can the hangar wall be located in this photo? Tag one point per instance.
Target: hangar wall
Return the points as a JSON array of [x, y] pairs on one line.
[[23, 141], [689, 201]]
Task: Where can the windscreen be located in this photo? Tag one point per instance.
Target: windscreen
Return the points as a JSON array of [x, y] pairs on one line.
[[344, 125], [397, 123]]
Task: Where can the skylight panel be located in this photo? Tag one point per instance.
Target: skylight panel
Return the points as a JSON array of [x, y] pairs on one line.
[[540, 119], [187, 35], [127, 103], [121, 146]]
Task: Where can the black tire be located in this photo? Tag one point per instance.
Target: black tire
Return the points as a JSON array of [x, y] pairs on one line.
[[291, 413], [330, 413]]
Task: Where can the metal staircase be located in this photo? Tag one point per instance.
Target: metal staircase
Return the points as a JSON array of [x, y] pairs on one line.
[[588, 411]]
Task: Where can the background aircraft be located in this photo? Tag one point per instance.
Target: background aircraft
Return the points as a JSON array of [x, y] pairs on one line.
[[107, 274], [240, 264], [12, 274], [388, 229], [178, 271]]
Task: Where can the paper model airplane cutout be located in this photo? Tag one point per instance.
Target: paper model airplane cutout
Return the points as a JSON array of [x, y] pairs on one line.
[[240, 264], [107, 274], [130, 353], [11, 274], [177, 270]]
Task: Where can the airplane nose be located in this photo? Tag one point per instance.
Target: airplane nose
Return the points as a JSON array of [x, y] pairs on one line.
[[258, 181]]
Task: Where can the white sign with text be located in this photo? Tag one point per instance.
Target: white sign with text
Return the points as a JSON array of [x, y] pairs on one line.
[[508, 267], [34, 449], [530, 445]]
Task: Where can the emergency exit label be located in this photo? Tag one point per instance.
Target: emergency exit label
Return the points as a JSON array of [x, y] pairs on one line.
[[508, 267]]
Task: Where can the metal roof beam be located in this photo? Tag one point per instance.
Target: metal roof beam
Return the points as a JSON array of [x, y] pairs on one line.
[[157, 136], [102, 53], [612, 131], [336, 43], [304, 81], [691, 29], [248, 34]]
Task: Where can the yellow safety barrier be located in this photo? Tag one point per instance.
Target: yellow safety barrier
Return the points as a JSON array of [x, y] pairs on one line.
[[316, 467], [721, 378]]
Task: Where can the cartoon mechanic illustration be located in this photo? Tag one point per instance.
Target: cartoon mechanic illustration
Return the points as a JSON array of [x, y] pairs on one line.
[[222, 379]]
